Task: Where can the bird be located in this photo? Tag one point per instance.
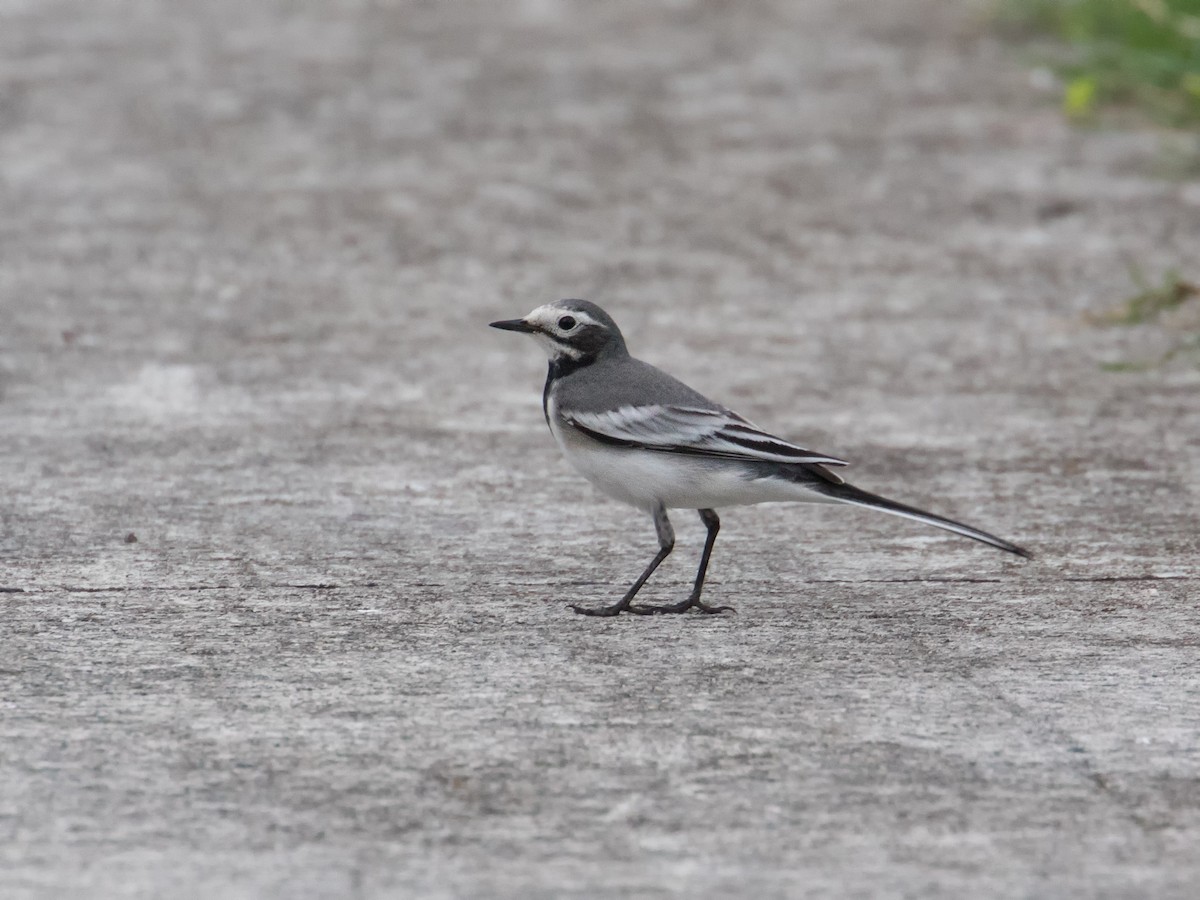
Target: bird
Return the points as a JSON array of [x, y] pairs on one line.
[[645, 438]]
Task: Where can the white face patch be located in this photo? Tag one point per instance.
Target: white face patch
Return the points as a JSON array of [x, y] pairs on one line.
[[555, 349], [550, 320]]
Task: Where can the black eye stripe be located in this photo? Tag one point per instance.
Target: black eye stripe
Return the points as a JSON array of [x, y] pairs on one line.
[[566, 323]]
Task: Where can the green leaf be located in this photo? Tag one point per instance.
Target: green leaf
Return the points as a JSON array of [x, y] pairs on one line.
[[1079, 97]]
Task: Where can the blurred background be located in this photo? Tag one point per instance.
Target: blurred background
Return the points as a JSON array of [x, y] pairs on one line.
[[277, 504]]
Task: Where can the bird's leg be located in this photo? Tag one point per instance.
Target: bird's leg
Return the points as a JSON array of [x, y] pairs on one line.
[[710, 520], [713, 524], [666, 543]]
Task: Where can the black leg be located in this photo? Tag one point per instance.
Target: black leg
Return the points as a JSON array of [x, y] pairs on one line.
[[666, 543], [709, 518]]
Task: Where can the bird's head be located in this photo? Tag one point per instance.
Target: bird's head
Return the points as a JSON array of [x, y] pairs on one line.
[[570, 329]]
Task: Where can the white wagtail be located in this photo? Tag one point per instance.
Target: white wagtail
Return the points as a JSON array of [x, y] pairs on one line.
[[649, 440]]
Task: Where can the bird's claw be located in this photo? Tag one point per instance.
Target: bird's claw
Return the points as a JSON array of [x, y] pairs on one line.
[[683, 607]]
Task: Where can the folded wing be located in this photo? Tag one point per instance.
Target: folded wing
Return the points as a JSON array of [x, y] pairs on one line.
[[701, 432]]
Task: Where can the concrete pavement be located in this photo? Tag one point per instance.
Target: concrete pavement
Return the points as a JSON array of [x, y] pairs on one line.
[[285, 549]]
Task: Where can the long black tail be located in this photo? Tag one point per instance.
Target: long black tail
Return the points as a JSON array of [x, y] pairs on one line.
[[848, 493]]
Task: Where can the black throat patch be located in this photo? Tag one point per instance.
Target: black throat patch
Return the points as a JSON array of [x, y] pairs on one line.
[[561, 367]]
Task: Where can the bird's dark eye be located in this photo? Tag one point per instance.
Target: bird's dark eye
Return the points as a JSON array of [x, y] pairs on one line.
[[566, 323]]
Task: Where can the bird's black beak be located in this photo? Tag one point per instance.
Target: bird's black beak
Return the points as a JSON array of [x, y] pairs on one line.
[[514, 325]]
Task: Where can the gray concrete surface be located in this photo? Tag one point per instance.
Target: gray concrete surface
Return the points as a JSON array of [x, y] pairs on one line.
[[247, 251]]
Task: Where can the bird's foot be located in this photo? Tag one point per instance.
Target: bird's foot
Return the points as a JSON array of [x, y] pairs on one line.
[[705, 608], [680, 607], [607, 611]]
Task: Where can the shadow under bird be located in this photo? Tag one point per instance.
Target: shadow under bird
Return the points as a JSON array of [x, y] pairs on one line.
[[647, 439]]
